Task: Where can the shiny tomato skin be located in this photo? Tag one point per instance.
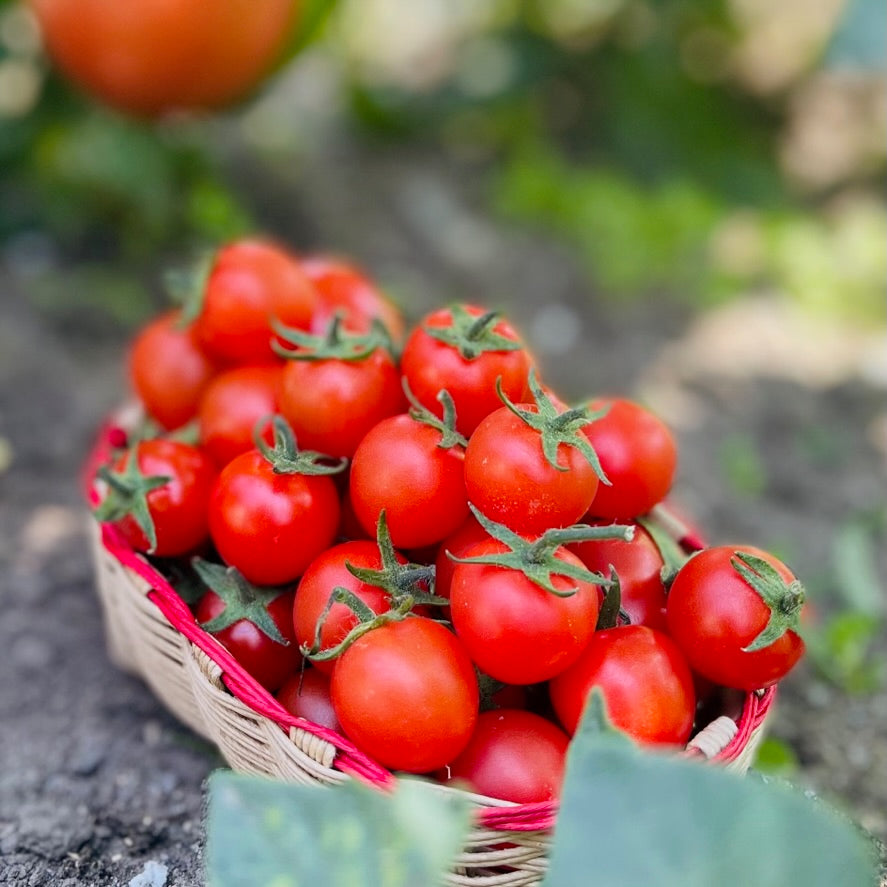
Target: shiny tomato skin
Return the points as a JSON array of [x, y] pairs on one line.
[[269, 662], [156, 56], [514, 630], [168, 371], [251, 282], [178, 508], [645, 680], [510, 481], [469, 534], [398, 466], [713, 614], [430, 365], [638, 565], [406, 694], [327, 571], [271, 526], [306, 694], [638, 455], [343, 288], [231, 406], [512, 755], [332, 404]]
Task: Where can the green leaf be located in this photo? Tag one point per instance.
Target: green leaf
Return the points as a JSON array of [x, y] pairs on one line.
[[637, 819], [776, 757], [266, 833], [846, 651], [854, 560]]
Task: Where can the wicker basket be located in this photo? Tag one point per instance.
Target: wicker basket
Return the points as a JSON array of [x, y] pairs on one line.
[[152, 633]]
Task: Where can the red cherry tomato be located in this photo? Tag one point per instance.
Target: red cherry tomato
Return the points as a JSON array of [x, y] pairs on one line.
[[325, 573], [646, 682], [714, 614], [306, 694], [342, 287], [457, 543], [251, 283], [331, 404], [638, 565], [400, 467], [514, 630], [231, 406], [155, 56], [168, 371], [271, 526], [178, 508], [513, 755], [406, 694], [268, 661], [430, 365], [638, 455], [509, 479]]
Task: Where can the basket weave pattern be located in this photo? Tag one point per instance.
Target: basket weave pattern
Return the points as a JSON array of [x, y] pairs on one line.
[[152, 633]]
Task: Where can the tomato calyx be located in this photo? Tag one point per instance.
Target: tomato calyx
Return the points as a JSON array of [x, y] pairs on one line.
[[336, 343], [405, 585], [673, 556], [536, 558], [187, 288], [284, 455], [611, 612], [783, 599], [556, 428], [472, 335], [243, 601], [449, 436], [127, 496]]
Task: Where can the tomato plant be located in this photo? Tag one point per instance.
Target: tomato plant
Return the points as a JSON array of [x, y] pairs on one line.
[[253, 624], [406, 694], [645, 680], [249, 284], [513, 755], [464, 351], [638, 456], [337, 386], [156, 56], [273, 510], [735, 613], [157, 494], [168, 371], [231, 406]]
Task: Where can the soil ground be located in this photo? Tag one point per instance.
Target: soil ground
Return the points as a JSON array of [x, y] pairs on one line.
[[99, 786]]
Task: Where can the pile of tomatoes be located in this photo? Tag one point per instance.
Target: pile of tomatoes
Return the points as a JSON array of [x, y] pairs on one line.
[[409, 538]]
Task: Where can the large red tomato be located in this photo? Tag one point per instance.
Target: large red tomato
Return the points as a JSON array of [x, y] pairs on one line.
[[716, 615], [148, 57], [645, 679], [406, 694]]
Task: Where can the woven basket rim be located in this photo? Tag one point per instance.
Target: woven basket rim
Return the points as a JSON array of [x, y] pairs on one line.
[[493, 813]]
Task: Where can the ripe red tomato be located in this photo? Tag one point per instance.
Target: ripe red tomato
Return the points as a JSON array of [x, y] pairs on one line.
[[177, 509], [306, 694], [638, 455], [268, 525], [326, 572], [714, 615], [155, 56], [406, 694], [331, 404], [514, 630], [513, 755], [268, 661], [231, 406], [509, 479], [646, 682], [430, 365], [251, 283], [457, 543], [342, 287], [168, 371], [638, 565], [399, 466]]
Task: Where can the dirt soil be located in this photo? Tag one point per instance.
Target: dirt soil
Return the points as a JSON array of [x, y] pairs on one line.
[[100, 786]]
